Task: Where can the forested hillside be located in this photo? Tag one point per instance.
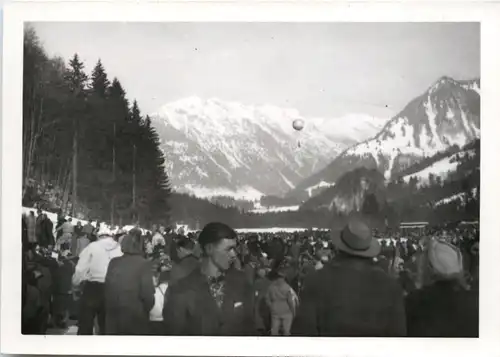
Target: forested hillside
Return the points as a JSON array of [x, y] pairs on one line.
[[86, 148]]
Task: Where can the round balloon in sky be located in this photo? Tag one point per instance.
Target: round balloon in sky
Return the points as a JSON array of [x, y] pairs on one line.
[[298, 124]]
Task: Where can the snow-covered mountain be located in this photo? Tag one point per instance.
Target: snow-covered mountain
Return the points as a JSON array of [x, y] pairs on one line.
[[217, 148], [441, 168], [447, 114]]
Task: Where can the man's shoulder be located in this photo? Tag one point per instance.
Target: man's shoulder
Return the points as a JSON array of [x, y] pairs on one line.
[[190, 282], [318, 277], [236, 278], [189, 261]]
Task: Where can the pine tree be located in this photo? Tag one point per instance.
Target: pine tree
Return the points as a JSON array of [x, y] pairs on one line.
[[76, 77], [135, 113], [76, 81], [100, 82], [60, 109]]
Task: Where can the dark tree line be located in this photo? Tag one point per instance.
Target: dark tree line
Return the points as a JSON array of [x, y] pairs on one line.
[[86, 149]]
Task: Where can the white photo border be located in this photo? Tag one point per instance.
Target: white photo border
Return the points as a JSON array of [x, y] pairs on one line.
[[15, 14]]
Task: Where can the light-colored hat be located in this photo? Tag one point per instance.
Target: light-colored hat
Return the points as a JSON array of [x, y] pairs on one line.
[[104, 231], [445, 259]]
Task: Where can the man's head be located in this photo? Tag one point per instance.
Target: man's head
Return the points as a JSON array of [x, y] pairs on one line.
[[261, 272], [218, 242], [39, 212], [32, 213], [185, 246]]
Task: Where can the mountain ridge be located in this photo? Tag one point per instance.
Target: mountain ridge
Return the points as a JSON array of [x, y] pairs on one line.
[[446, 114], [214, 147]]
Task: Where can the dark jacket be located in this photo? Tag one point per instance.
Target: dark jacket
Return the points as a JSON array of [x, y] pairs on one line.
[[183, 268], [45, 233], [443, 309], [24, 232], [129, 294], [190, 309], [60, 221], [295, 251], [262, 311], [351, 297]]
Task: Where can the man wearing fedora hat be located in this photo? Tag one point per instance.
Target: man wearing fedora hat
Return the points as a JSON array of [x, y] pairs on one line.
[[351, 296]]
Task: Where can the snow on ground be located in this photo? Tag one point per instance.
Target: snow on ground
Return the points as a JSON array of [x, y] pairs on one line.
[[53, 218], [261, 209], [243, 193], [275, 230], [458, 196], [439, 168], [319, 185], [287, 181]]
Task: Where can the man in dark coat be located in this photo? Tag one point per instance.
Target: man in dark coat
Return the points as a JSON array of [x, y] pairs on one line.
[[24, 231], [186, 261], [351, 297], [46, 229], [213, 300], [60, 221], [129, 289]]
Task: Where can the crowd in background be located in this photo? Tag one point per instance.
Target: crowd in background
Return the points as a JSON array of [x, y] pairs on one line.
[[355, 282]]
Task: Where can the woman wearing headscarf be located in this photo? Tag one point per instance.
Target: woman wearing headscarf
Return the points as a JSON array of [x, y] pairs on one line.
[[444, 307], [129, 289]]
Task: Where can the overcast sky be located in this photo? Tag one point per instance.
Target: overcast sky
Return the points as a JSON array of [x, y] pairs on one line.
[[327, 69]]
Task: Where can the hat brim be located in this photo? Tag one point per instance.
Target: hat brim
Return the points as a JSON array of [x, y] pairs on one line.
[[371, 252]]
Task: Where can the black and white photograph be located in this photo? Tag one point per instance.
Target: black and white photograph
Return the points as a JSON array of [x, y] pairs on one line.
[[250, 179]]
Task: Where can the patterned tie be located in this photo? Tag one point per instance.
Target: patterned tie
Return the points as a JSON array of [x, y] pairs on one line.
[[217, 285]]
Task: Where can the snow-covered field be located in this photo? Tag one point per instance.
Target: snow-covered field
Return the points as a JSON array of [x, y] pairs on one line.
[[275, 209], [322, 184], [274, 230], [244, 193], [53, 218], [440, 168]]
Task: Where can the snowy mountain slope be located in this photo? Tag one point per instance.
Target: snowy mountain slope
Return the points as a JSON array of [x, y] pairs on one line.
[[261, 209], [456, 197], [447, 114], [320, 186], [441, 168], [439, 180], [214, 147]]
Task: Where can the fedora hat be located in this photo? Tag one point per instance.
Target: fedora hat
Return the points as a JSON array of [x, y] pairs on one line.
[[356, 239]]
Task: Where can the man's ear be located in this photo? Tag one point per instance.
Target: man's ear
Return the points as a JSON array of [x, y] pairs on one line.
[[207, 249]]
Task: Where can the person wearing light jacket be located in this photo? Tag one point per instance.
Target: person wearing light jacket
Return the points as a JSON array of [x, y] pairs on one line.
[[91, 271], [282, 302]]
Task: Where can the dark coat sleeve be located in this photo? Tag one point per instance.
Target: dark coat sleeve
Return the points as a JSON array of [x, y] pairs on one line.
[[49, 232], [109, 273], [397, 323], [147, 289], [175, 310], [306, 322], [249, 323]]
